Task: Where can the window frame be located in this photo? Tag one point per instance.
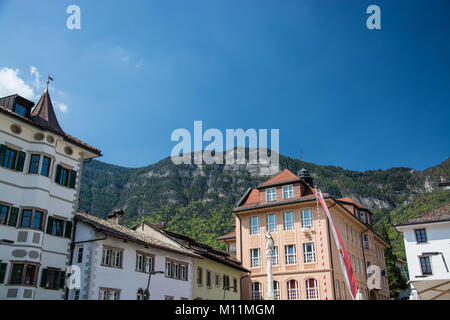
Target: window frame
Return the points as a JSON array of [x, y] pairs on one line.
[[112, 257], [423, 235], [290, 192], [293, 293], [270, 195], [257, 293], [304, 220], [31, 162], [271, 226], [309, 256], [255, 228], [255, 261], [429, 271], [290, 256], [286, 222], [25, 265], [312, 293]]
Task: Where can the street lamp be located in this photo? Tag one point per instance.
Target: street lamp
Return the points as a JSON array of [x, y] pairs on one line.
[[226, 288], [147, 293]]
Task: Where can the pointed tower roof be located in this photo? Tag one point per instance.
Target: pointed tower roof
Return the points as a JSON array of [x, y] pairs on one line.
[[44, 114]]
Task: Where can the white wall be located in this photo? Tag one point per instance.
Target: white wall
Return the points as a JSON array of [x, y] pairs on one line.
[[95, 276], [438, 236]]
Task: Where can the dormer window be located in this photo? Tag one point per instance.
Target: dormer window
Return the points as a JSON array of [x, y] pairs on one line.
[[271, 195], [288, 192], [20, 110], [363, 216]]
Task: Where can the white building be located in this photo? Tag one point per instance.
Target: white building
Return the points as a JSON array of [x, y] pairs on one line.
[[427, 246], [115, 262], [40, 171]]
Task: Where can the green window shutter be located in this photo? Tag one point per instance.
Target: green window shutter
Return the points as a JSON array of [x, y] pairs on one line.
[[2, 153], [68, 231], [2, 272], [50, 221], [20, 161], [58, 173], [62, 279], [44, 278], [73, 178], [13, 217]]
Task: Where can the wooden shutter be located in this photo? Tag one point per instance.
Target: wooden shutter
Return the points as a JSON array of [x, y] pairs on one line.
[[62, 279], [58, 173], [68, 231], [2, 272], [14, 215], [2, 153], [73, 178], [20, 161], [50, 221], [44, 277]]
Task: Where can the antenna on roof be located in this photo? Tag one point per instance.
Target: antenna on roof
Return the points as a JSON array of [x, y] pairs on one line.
[[48, 81], [143, 219]]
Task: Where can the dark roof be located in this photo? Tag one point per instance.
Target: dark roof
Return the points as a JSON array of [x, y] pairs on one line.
[[438, 214], [200, 248], [43, 117], [44, 114], [126, 233]]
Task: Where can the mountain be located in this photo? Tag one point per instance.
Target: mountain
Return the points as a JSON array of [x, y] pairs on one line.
[[197, 199]]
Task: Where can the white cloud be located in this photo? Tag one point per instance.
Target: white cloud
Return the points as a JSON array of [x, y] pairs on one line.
[[12, 83], [37, 76], [61, 106]]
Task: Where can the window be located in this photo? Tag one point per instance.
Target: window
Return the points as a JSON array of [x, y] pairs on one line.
[[109, 294], [288, 192], [52, 279], [338, 291], [168, 269], [254, 225], [343, 291], [65, 177], [346, 231], [199, 276], [309, 252], [176, 271], [256, 291], [23, 274], [421, 236], [57, 228], [106, 258], [276, 290], [271, 221], [255, 258], [235, 287], [80, 255], [353, 263], [312, 289], [292, 286], [4, 210], [307, 220], [142, 294], [271, 195], [45, 169], [291, 257], [275, 256], [365, 241], [288, 221], [12, 159], [217, 281], [117, 259], [26, 218], [363, 217], [226, 282], [20, 110], [148, 264], [425, 265], [139, 262], [358, 266], [183, 272], [208, 278], [76, 295], [37, 220], [34, 164]]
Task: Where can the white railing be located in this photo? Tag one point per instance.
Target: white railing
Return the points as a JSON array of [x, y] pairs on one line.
[[312, 293], [254, 229], [255, 261], [292, 294], [291, 258], [256, 295], [274, 260], [310, 257]]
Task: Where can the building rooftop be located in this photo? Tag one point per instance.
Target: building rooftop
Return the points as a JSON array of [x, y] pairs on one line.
[[350, 200], [284, 176], [126, 233], [43, 117], [231, 235], [438, 214]]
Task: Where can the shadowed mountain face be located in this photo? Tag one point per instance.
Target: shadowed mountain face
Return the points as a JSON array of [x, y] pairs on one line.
[[202, 196]]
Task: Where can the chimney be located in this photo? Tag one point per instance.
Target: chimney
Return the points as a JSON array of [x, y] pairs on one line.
[[303, 174], [115, 216]]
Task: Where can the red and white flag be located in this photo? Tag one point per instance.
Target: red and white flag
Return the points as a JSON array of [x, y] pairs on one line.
[[345, 261]]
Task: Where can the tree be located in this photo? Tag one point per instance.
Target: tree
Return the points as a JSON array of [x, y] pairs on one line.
[[396, 280]]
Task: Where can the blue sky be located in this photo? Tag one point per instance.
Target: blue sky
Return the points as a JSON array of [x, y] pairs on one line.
[[344, 95]]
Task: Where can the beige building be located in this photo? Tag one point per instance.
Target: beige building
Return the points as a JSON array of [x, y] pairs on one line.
[[286, 206]]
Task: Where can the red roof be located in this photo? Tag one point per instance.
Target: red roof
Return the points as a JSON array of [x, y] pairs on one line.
[[231, 235], [349, 200], [283, 176]]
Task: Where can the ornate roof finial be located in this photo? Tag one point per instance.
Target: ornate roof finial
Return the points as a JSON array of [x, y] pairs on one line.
[[48, 82]]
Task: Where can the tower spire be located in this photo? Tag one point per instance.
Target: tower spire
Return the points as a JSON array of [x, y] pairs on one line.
[[48, 82]]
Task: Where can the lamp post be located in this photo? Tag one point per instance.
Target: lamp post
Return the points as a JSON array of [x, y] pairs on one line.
[[226, 288], [147, 293]]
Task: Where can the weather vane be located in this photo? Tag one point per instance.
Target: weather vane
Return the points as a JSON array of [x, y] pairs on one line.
[[48, 80]]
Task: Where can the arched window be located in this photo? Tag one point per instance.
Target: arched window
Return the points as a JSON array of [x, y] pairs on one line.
[[292, 287], [256, 291], [312, 290], [276, 290], [338, 290], [142, 294]]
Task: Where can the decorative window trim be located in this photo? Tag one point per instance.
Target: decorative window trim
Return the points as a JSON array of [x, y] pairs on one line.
[[112, 255], [270, 196], [290, 192]]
